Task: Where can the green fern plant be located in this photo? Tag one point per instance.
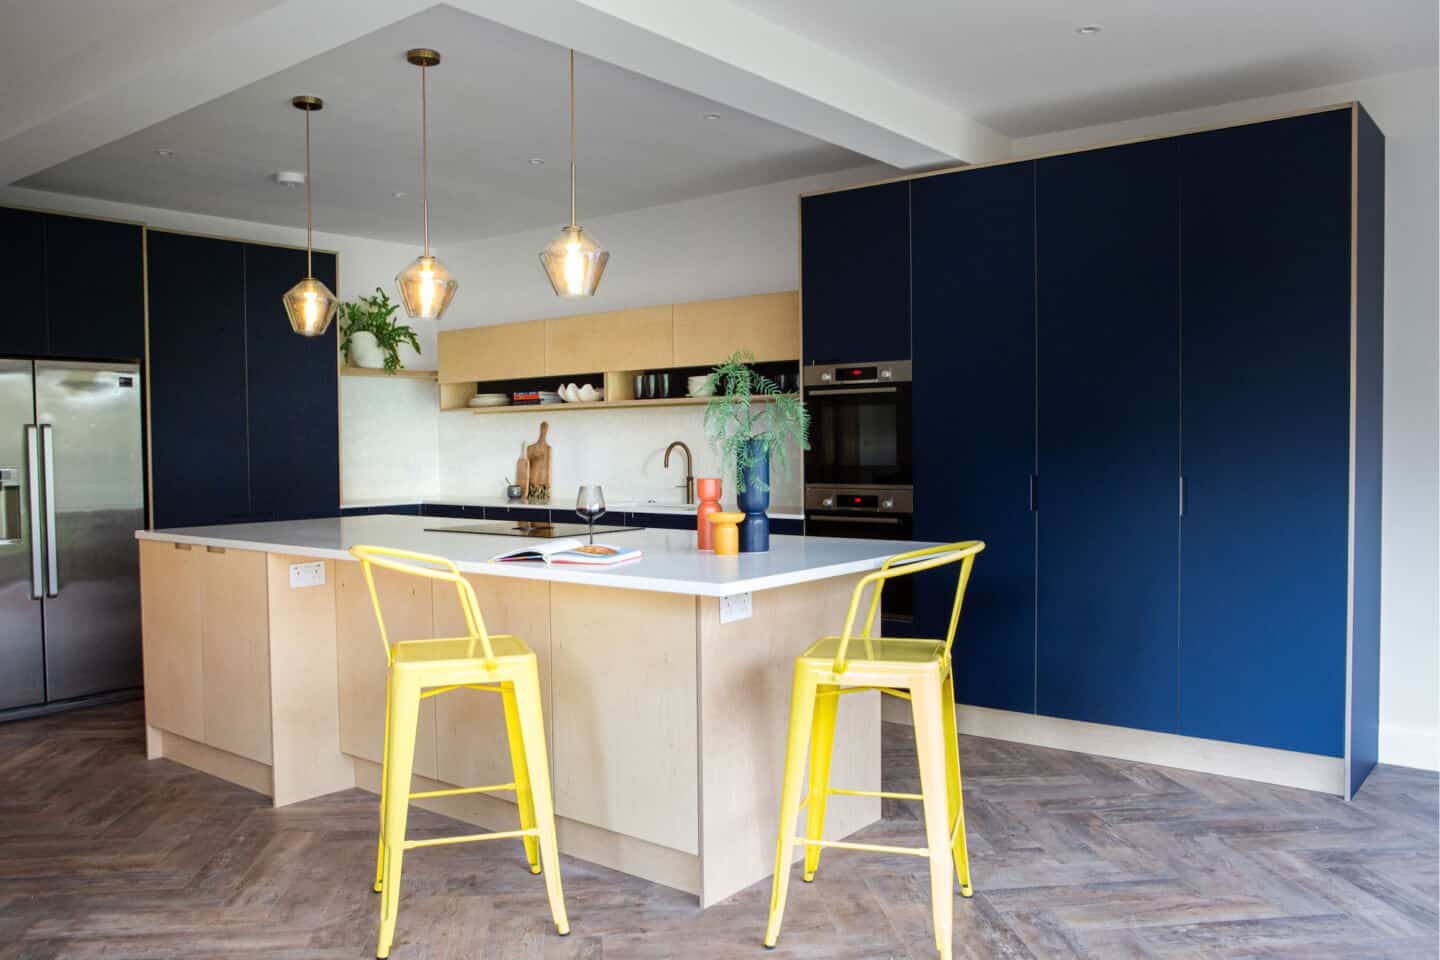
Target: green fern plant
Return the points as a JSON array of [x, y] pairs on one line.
[[374, 315], [735, 418]]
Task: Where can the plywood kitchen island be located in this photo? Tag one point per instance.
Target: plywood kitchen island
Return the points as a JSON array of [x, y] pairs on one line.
[[666, 727]]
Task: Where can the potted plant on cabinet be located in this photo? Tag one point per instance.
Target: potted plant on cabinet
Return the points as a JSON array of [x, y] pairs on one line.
[[752, 434], [370, 336]]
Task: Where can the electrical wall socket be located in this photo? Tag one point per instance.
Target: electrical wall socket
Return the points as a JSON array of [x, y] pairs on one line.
[[735, 607], [307, 574]]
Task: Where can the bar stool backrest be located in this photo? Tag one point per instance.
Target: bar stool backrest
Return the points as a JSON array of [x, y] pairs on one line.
[[430, 567], [904, 565]]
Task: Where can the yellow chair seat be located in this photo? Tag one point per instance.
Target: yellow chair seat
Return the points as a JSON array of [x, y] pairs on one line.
[[877, 650], [428, 649]]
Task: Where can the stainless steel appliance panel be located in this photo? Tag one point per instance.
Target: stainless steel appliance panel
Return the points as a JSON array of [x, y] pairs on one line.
[[22, 656], [90, 419]]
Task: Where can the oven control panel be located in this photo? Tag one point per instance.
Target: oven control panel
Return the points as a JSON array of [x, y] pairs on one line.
[[846, 374], [861, 499]]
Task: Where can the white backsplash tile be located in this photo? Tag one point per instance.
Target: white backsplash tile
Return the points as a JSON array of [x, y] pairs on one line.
[[388, 438], [621, 449]]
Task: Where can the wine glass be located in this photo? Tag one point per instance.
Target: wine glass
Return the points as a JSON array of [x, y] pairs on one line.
[[590, 504]]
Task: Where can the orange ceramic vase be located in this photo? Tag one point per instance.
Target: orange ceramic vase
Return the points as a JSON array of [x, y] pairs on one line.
[[708, 489]]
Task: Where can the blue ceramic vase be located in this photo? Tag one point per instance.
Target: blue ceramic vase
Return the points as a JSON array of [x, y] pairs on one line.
[[755, 500]]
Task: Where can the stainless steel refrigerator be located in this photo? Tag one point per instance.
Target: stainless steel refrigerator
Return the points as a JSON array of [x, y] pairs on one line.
[[72, 485]]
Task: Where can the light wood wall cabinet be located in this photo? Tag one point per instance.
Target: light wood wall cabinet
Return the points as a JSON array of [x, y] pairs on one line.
[[618, 343], [616, 340], [504, 351], [767, 324]]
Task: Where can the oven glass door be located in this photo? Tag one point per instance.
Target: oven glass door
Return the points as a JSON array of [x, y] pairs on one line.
[[859, 435], [897, 601]]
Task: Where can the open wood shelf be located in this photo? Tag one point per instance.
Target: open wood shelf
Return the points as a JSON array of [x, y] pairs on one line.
[[598, 405], [397, 375]]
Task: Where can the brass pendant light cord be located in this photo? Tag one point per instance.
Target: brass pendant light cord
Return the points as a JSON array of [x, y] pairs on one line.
[[309, 231], [425, 156], [572, 138]]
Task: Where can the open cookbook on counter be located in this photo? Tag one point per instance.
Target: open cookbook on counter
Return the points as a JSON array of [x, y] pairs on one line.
[[570, 552]]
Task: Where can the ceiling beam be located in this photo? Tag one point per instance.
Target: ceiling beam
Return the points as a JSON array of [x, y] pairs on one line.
[[728, 54]]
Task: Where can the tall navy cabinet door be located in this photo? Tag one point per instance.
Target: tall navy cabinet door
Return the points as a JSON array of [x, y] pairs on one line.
[[199, 449], [22, 261], [855, 275], [95, 288], [1266, 363], [293, 404], [974, 397], [1107, 225]]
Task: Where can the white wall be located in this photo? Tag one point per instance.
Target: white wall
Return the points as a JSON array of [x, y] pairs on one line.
[[725, 245], [387, 428], [1406, 107]]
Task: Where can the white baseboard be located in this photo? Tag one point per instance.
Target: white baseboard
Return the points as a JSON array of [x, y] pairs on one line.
[[1410, 746], [1284, 767]]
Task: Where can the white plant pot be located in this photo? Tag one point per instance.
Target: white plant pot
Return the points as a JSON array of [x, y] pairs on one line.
[[365, 351]]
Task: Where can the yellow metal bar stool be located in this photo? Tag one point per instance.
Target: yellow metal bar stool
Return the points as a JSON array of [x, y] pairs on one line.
[[428, 667], [917, 670]]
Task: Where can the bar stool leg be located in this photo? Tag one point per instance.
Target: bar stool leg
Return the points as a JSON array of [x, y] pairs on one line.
[[524, 797], [404, 712], [384, 769], [926, 700], [802, 713], [532, 732], [827, 703], [953, 791]]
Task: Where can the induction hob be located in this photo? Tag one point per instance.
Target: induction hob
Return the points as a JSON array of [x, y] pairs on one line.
[[529, 528]]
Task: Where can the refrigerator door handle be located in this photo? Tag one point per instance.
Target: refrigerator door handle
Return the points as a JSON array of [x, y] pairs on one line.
[[47, 443], [32, 466]]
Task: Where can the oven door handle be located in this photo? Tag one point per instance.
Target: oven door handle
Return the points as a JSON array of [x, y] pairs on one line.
[[847, 391], [836, 518]]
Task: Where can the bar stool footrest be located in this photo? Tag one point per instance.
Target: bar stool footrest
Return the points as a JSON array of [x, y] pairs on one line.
[[864, 847], [470, 838], [460, 791]]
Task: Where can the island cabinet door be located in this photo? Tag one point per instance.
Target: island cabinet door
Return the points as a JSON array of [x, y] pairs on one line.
[[360, 654], [1108, 285], [974, 396], [172, 605], [235, 651], [471, 744], [1266, 428], [626, 737]]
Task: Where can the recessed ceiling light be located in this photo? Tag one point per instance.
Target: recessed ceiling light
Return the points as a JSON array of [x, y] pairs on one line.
[[290, 179], [400, 194], [165, 152], [537, 161], [1089, 30], [712, 116]]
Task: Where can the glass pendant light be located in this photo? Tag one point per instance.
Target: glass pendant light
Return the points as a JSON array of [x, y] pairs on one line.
[[426, 286], [309, 304], [574, 261]]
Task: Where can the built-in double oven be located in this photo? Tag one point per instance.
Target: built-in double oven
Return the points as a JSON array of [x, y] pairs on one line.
[[857, 470]]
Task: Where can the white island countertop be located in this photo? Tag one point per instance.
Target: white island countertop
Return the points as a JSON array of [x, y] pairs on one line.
[[670, 563]]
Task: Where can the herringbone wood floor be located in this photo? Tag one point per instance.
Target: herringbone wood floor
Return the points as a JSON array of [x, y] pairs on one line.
[[104, 854]]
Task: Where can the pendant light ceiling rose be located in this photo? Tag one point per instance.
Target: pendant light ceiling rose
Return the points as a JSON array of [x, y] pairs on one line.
[[423, 57], [309, 305]]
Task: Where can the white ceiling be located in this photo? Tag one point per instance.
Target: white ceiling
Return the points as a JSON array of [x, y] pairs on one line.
[[1020, 68], [498, 98]]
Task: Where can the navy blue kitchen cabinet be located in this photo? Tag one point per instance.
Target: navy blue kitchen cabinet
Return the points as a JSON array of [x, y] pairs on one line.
[[291, 393], [855, 275], [199, 441], [77, 287], [974, 420], [666, 521], [1266, 368], [22, 263], [244, 413], [1108, 338], [94, 289]]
